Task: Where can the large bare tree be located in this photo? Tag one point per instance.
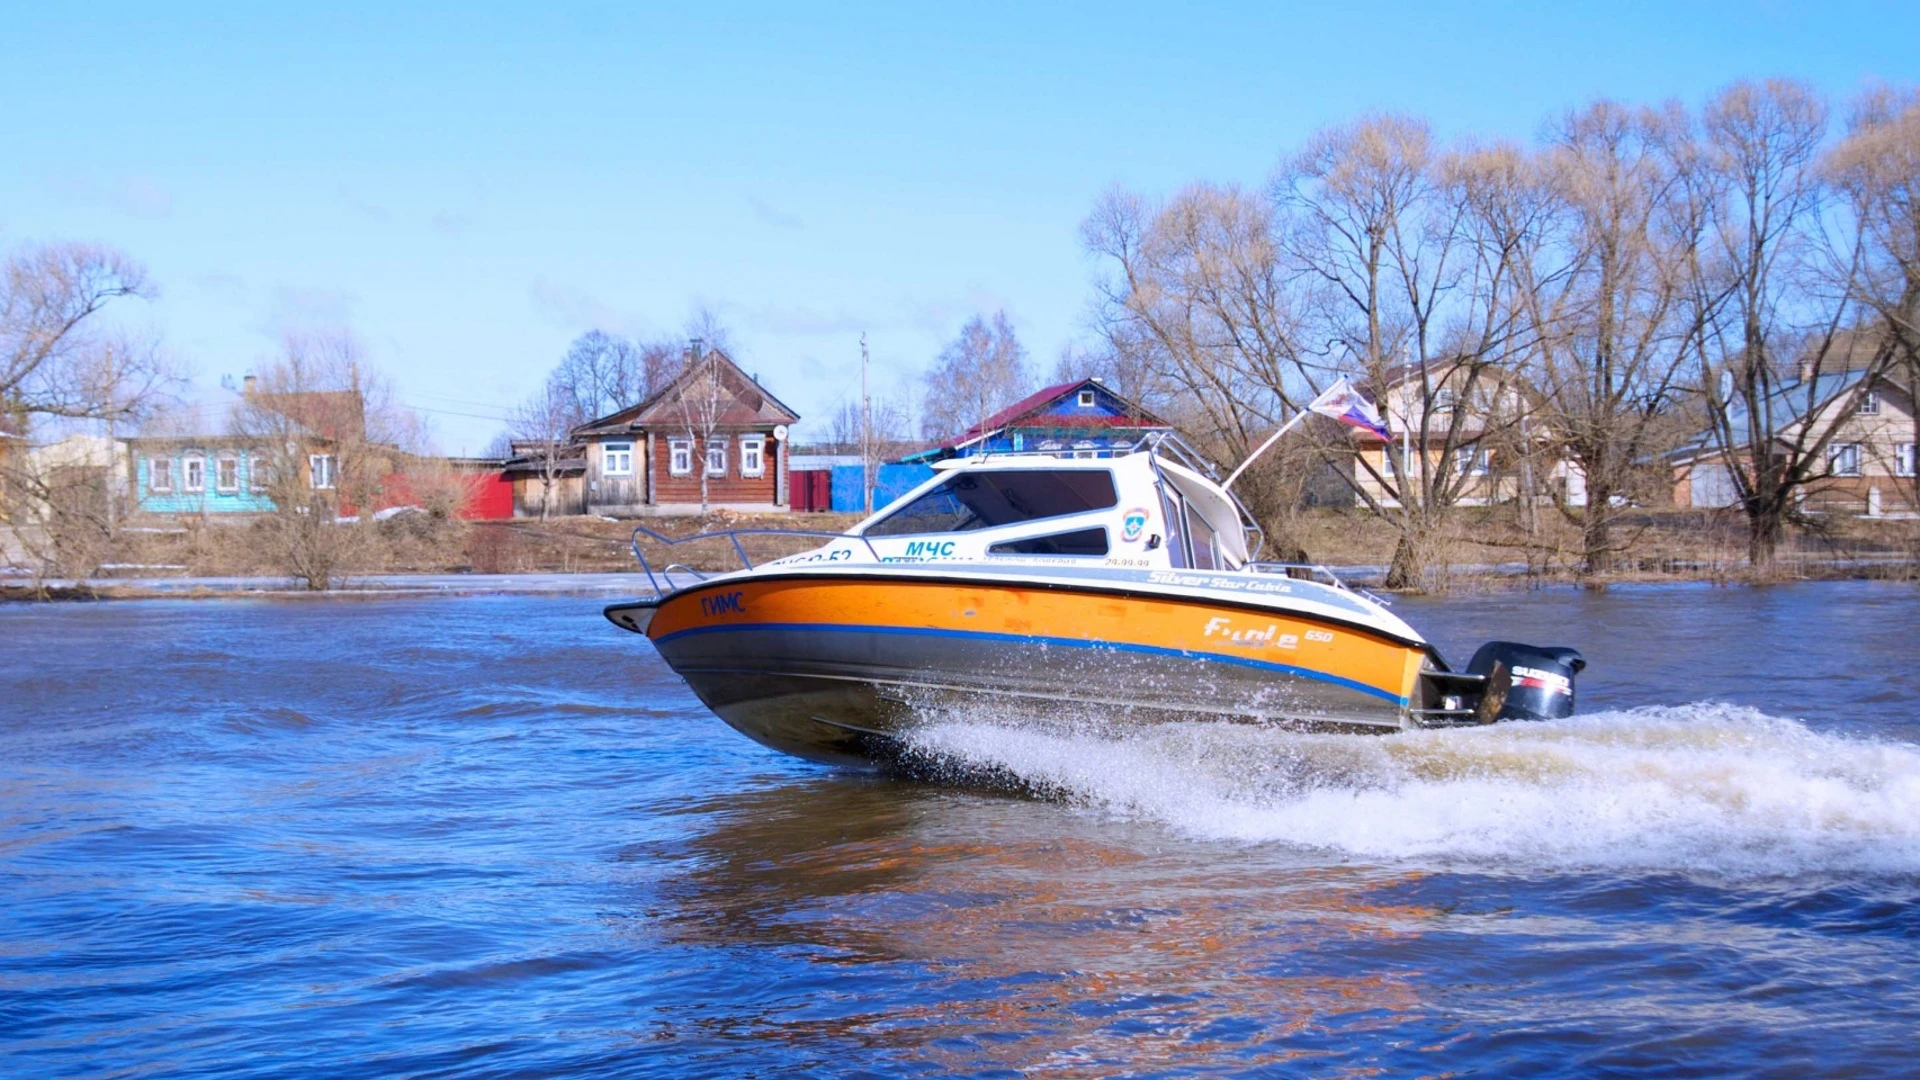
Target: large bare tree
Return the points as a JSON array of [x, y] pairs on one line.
[[1877, 170], [329, 443], [980, 372], [1615, 305], [541, 428], [1791, 257]]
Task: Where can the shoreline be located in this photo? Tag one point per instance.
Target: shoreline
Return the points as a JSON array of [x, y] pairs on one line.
[[1464, 578]]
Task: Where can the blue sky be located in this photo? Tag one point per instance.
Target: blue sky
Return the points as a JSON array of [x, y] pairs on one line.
[[467, 189]]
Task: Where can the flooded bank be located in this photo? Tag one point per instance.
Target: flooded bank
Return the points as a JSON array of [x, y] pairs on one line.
[[495, 836]]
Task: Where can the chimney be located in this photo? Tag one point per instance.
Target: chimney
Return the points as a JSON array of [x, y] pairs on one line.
[[246, 386], [694, 350]]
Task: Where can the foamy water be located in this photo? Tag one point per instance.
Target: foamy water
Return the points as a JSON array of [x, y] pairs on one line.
[[1703, 787]]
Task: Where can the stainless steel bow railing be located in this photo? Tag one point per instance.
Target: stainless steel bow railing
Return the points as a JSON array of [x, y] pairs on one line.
[[733, 536]]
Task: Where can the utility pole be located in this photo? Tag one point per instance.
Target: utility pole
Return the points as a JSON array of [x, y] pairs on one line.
[[866, 429]]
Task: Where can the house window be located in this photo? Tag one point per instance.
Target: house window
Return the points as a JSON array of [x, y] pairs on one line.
[[1870, 404], [616, 459], [320, 468], [753, 456], [226, 474], [717, 459], [1086, 399], [1843, 459], [159, 474], [1471, 460], [1442, 399], [259, 473], [1903, 459], [680, 456], [193, 474]]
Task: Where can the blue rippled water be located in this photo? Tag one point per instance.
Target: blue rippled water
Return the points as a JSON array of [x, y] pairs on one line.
[[496, 837]]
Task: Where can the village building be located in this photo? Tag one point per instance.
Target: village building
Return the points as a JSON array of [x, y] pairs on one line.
[[1083, 419], [1869, 457], [713, 424], [194, 462], [1472, 421]]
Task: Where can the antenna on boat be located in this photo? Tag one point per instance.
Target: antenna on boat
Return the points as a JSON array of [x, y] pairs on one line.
[[866, 429]]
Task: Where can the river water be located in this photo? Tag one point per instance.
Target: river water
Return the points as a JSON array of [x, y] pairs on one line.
[[497, 837]]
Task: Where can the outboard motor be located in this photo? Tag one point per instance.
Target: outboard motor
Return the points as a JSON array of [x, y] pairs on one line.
[[1525, 682]]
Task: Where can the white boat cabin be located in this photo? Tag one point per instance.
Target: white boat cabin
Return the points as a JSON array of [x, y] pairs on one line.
[[1140, 511]]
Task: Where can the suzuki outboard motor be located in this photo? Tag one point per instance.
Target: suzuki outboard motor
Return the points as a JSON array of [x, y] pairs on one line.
[[1525, 682]]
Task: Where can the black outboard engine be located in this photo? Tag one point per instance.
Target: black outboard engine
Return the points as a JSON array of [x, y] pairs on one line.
[[1525, 682]]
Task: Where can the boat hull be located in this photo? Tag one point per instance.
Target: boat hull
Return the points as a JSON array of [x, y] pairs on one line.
[[839, 668]]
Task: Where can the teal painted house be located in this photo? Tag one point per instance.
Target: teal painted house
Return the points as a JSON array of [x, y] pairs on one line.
[[198, 476]]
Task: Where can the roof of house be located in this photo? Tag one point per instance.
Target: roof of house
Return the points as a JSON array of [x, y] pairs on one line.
[[1788, 403], [750, 405], [1134, 417]]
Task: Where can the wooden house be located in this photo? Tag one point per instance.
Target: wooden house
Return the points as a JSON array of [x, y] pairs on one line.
[[1869, 430], [1076, 419], [1470, 427], [712, 435]]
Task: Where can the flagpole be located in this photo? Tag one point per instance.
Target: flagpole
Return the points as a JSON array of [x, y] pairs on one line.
[[1271, 439]]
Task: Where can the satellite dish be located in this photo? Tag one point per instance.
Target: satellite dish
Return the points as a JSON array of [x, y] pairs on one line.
[[779, 433]]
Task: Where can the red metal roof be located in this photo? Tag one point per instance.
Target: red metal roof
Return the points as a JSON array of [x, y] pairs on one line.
[[1034, 402]]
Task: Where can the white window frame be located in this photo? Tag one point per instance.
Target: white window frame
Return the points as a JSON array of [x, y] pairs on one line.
[[716, 448], [258, 475], [680, 457], [753, 455], [320, 471], [1086, 399], [1843, 459], [1903, 459], [616, 459], [160, 467], [1443, 399], [1472, 460], [220, 465], [1870, 404], [189, 465]]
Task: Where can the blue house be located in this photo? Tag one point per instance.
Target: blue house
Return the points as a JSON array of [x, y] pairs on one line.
[[1078, 419], [200, 475]]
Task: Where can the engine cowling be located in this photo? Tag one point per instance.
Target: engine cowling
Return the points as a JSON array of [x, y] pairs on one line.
[[1525, 682]]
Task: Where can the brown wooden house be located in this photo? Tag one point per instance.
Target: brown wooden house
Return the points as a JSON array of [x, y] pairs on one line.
[[712, 423]]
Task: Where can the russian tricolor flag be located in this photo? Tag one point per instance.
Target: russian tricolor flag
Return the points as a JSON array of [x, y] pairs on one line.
[[1342, 402]]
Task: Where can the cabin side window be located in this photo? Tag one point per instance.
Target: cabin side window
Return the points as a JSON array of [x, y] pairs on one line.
[[1078, 542], [1200, 543], [1173, 510], [982, 500]]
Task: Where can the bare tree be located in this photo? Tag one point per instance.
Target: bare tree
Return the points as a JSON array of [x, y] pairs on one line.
[[51, 341], [1199, 318], [542, 428], [1877, 169], [62, 370], [1411, 255], [980, 372], [329, 444], [1614, 308], [889, 438], [603, 374], [701, 396], [1792, 262]]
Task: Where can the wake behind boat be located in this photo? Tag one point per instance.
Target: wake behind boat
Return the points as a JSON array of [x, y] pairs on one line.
[[1126, 587]]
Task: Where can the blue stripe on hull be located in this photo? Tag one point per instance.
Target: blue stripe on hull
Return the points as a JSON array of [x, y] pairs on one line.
[[1035, 639]]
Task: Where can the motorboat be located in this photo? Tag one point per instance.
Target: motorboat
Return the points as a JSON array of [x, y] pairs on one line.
[[1125, 587]]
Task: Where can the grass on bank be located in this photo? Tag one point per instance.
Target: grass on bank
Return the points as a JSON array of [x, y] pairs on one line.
[[1484, 547]]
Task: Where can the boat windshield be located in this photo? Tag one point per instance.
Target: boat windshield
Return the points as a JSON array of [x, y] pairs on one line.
[[982, 499]]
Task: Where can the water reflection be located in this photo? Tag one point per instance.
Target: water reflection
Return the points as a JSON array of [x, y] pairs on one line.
[[1025, 935]]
